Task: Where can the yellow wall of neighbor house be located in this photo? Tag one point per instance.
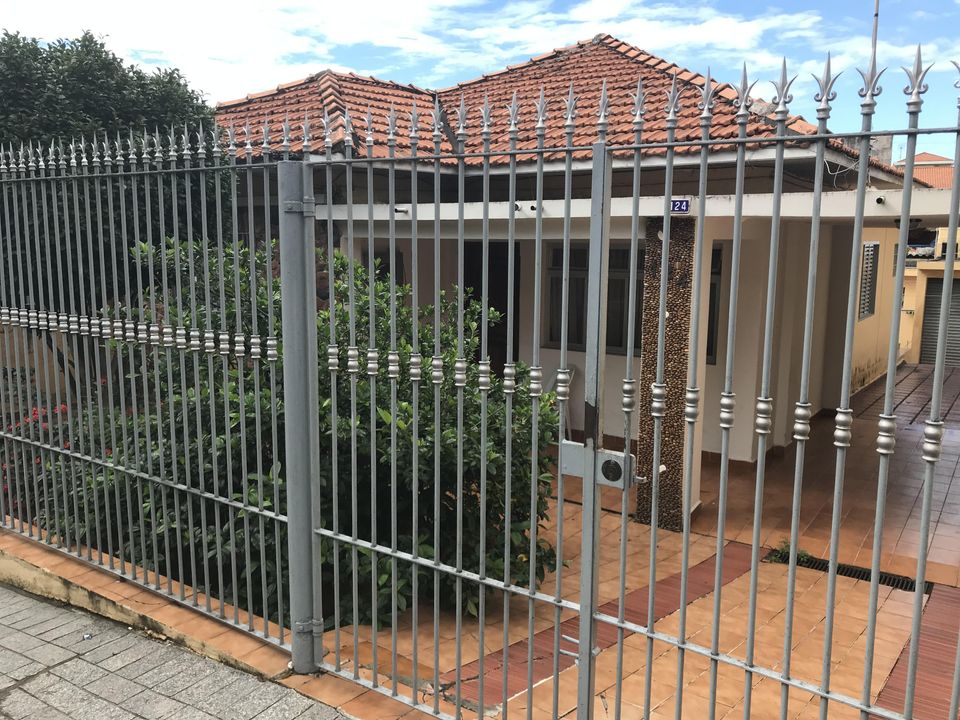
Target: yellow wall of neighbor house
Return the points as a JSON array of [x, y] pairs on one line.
[[908, 316], [923, 273], [914, 299], [871, 335]]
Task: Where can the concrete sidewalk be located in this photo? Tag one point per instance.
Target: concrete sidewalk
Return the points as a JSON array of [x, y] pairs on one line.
[[59, 662]]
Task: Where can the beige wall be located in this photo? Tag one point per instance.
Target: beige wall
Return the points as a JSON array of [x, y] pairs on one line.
[[871, 335], [788, 329]]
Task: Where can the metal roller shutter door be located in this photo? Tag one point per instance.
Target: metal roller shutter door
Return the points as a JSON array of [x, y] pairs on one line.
[[931, 318]]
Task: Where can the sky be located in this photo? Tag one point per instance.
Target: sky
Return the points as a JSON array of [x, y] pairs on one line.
[[229, 50]]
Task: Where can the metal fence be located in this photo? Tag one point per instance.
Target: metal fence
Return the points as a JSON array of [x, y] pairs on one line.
[[141, 382], [346, 473]]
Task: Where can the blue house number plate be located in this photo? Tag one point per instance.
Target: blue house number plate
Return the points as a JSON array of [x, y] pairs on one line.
[[680, 207]]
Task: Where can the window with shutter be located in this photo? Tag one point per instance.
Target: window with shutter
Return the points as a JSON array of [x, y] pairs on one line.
[[868, 280]]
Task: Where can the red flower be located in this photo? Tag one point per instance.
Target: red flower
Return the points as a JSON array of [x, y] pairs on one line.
[[66, 445], [109, 452]]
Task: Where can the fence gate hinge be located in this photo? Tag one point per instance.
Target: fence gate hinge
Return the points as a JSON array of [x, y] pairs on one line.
[[307, 626], [303, 207]]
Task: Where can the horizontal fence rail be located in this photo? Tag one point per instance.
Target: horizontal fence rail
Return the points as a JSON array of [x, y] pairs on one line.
[[403, 471]]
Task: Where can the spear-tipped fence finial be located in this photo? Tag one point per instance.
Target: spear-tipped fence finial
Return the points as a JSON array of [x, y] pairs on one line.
[[327, 130], [871, 85], [462, 118], [603, 108], [706, 99], [570, 110], [414, 123], [485, 115], [513, 111], [285, 135], [369, 127], [916, 85], [673, 102], [265, 137], [185, 140], [436, 119], [825, 94], [347, 127], [305, 133], [743, 101], [782, 98], [639, 105], [541, 107], [391, 124]]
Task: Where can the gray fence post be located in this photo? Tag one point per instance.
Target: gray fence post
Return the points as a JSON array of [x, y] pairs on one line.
[[299, 317], [593, 421]]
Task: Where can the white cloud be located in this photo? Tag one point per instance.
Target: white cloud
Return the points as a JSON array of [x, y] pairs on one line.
[[228, 50]]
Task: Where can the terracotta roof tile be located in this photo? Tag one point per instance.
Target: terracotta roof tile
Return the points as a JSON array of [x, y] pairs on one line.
[[585, 64], [938, 176], [930, 157]]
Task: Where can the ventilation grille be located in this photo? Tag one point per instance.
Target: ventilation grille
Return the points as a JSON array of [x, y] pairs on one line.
[[898, 582]]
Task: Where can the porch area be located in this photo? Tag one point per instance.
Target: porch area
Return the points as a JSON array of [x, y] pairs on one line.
[[901, 524]]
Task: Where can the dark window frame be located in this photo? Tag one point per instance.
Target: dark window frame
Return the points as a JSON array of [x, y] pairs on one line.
[[554, 273]]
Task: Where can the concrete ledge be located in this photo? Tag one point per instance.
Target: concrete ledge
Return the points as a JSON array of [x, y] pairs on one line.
[[45, 571], [39, 569]]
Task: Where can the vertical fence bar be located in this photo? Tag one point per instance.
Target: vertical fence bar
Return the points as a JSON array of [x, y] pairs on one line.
[[658, 390], [416, 374], [628, 391], [460, 382], [691, 409], [802, 412], [563, 380], [373, 371], [596, 340], [298, 317], [933, 426], [483, 382], [952, 239], [436, 377], [509, 389], [844, 417], [763, 414], [535, 390]]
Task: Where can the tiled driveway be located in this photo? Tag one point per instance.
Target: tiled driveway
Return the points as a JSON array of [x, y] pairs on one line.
[[901, 540], [901, 534]]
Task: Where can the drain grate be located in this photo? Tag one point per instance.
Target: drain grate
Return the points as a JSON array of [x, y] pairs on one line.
[[899, 582]]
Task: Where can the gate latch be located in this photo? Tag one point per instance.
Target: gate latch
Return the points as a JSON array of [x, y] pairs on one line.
[[610, 472]]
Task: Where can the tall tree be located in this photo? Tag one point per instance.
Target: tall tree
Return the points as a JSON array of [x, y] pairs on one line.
[[77, 87]]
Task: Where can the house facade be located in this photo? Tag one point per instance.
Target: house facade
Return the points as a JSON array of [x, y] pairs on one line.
[[346, 99]]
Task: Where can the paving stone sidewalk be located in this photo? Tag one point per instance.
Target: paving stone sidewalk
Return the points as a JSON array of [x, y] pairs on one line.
[[59, 663]]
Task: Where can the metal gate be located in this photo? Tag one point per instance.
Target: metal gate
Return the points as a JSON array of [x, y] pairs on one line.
[[361, 473], [397, 609]]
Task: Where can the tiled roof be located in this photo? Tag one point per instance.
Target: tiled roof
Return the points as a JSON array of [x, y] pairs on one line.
[[585, 64], [926, 157], [335, 93], [938, 176]]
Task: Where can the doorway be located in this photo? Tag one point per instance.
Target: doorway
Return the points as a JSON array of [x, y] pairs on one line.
[[496, 293]]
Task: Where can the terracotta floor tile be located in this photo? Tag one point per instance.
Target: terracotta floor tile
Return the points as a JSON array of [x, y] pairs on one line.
[[330, 689], [372, 705]]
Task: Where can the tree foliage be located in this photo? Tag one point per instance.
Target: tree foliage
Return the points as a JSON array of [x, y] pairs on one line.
[[73, 88]]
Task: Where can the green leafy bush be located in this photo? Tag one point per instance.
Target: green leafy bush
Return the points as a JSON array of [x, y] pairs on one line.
[[216, 426]]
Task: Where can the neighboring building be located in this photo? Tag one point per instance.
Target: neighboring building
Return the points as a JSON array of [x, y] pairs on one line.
[[923, 282], [585, 65]]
